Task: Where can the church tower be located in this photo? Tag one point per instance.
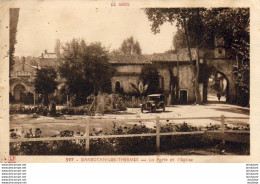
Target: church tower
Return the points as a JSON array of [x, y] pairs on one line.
[[219, 51]]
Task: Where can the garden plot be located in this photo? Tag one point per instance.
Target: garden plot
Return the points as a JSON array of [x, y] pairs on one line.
[[178, 111]]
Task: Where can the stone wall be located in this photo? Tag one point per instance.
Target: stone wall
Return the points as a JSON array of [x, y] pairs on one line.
[[125, 75], [185, 79], [125, 82], [164, 72], [131, 68]]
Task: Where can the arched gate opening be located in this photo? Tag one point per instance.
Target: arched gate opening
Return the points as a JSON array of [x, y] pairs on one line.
[[217, 87], [19, 90]]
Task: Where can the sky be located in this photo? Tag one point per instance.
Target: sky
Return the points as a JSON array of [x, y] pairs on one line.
[[39, 27]]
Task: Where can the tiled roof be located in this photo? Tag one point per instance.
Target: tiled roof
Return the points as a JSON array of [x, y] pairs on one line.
[[129, 59], [49, 62], [48, 59], [49, 55], [181, 55], [13, 79]]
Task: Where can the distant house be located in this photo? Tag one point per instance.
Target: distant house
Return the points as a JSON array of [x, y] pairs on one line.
[[22, 80], [48, 59], [23, 75]]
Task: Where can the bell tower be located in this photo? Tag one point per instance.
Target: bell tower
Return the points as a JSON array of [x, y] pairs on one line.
[[219, 51]]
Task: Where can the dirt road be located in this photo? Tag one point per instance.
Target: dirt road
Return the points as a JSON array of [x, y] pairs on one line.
[[212, 109]]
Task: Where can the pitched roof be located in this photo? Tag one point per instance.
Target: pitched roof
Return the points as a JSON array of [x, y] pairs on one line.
[[49, 55], [48, 59], [129, 59], [181, 56], [19, 79]]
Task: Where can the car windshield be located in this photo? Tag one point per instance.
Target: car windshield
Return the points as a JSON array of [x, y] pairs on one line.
[[155, 98]]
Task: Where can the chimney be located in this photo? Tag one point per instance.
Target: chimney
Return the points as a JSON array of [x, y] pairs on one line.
[[45, 51]]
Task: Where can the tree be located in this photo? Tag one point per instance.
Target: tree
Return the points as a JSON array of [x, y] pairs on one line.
[[242, 82], [191, 22], [234, 28], [45, 83], [98, 72], [203, 25], [179, 40], [14, 16], [140, 89], [57, 47], [149, 76], [85, 69], [130, 47], [32, 60]]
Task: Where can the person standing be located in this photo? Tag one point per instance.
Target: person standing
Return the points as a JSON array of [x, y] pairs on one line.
[[219, 96]]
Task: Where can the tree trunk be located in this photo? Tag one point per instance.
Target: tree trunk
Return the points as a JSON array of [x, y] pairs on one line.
[[46, 100], [177, 83], [205, 82], [177, 80], [171, 86], [197, 90], [195, 69]]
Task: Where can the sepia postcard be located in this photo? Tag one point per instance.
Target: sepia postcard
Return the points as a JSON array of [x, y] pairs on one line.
[[129, 81]]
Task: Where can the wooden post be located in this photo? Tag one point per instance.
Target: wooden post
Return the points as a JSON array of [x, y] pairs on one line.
[[103, 104], [223, 127], [158, 128], [112, 102], [33, 98], [87, 137], [94, 105]]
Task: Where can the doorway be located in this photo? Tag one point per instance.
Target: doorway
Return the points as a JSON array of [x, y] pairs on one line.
[[183, 96], [117, 87], [19, 89]]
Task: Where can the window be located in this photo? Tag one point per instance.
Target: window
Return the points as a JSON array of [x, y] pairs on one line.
[[117, 87], [23, 73], [161, 82]]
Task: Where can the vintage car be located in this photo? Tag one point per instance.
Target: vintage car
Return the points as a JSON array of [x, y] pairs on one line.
[[154, 102]]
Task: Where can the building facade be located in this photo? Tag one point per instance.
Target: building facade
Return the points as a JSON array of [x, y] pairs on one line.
[[176, 73], [23, 74], [128, 69]]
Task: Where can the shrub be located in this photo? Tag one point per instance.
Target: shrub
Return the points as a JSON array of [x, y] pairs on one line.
[[120, 146], [21, 109]]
